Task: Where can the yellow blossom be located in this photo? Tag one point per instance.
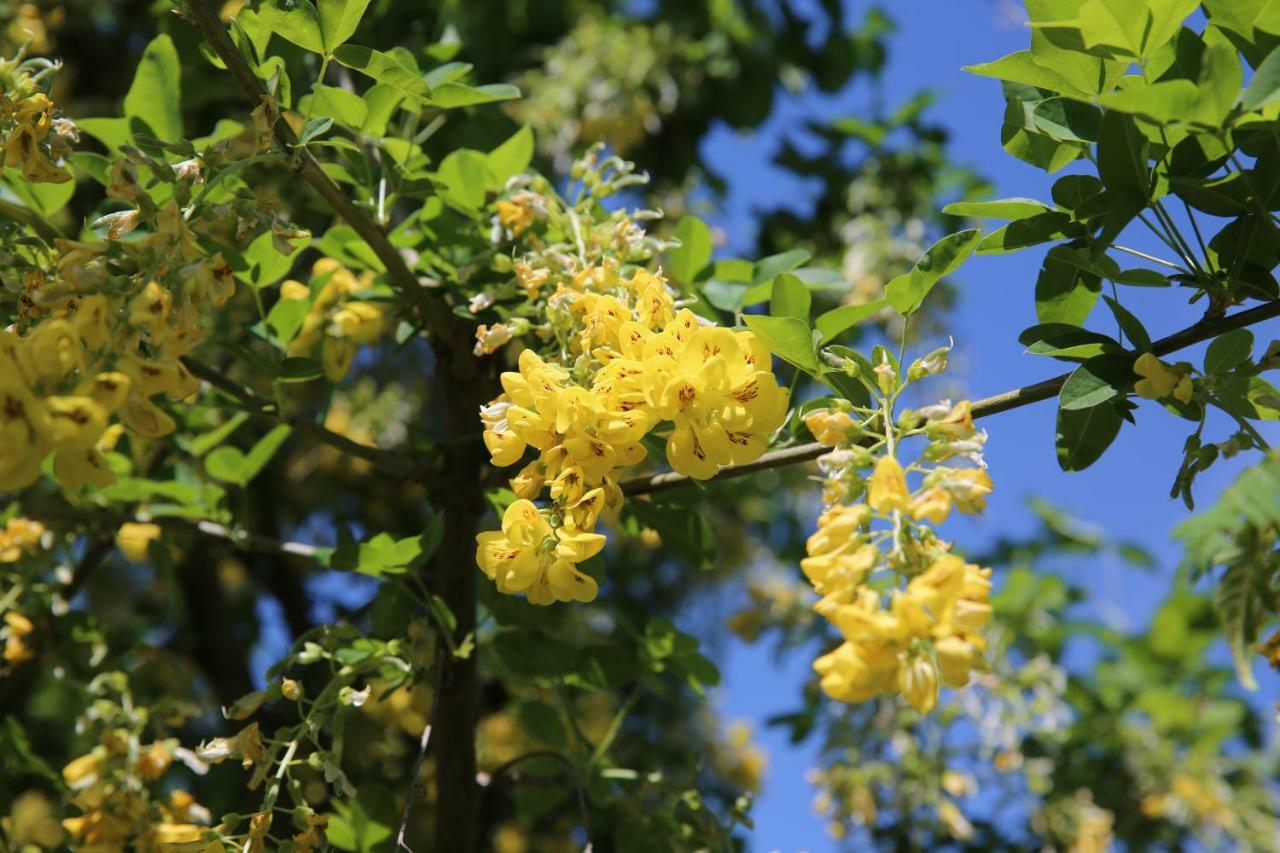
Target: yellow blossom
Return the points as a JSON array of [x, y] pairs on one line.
[[1160, 381], [529, 556], [134, 539], [887, 491]]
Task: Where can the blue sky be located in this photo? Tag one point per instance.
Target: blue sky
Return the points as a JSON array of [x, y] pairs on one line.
[[1128, 490]]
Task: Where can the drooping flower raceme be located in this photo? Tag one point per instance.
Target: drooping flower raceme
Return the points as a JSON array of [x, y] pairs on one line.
[[874, 533]]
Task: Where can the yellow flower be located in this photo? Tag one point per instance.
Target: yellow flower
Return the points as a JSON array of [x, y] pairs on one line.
[[311, 838], [968, 487], [75, 423], [887, 491], [723, 405], [830, 427], [290, 689], [81, 772], [918, 683], [76, 469], [295, 290], [134, 539], [955, 425], [515, 215], [1159, 381], [336, 355], [933, 504], [32, 822], [529, 556]]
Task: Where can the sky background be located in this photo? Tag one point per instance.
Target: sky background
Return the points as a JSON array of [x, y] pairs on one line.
[[934, 40]]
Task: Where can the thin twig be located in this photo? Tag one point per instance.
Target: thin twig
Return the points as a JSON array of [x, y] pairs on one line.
[[424, 744], [243, 540], [507, 769], [1018, 397], [389, 462]]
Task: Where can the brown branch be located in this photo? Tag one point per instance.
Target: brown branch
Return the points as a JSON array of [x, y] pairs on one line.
[[433, 312], [388, 462], [1194, 334]]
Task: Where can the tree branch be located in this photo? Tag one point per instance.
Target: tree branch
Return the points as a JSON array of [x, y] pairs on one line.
[[1201, 331], [389, 462], [434, 314]]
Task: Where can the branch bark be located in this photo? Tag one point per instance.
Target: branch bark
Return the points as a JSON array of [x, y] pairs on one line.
[[463, 386], [1018, 397]]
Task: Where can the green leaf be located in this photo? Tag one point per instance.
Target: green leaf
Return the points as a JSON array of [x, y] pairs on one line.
[[1084, 435], [837, 320], [1130, 325], [315, 127], [1228, 351], [383, 554], [1122, 155], [352, 829], [790, 298], [1022, 67], [1032, 231], [155, 96], [454, 95], [267, 264], [767, 268], [1061, 340], [1264, 88], [685, 261], [385, 68], [466, 176], [294, 21], [202, 444], [338, 20], [1065, 291], [541, 722], [1067, 120], [1163, 102], [1097, 381], [511, 157], [1242, 609], [787, 338], [1141, 278], [1071, 191], [346, 108], [906, 292], [44, 199], [286, 317], [230, 465], [1005, 208]]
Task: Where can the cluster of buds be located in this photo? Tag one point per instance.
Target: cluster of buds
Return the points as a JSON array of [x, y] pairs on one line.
[[909, 611]]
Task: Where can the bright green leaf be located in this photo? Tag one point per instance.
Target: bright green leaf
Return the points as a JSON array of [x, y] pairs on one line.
[[906, 292], [787, 338], [155, 97]]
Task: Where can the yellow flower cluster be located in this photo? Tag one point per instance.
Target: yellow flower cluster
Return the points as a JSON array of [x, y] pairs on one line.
[[1158, 380], [108, 787], [34, 141], [631, 362], [19, 536], [336, 323], [926, 632], [93, 346]]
